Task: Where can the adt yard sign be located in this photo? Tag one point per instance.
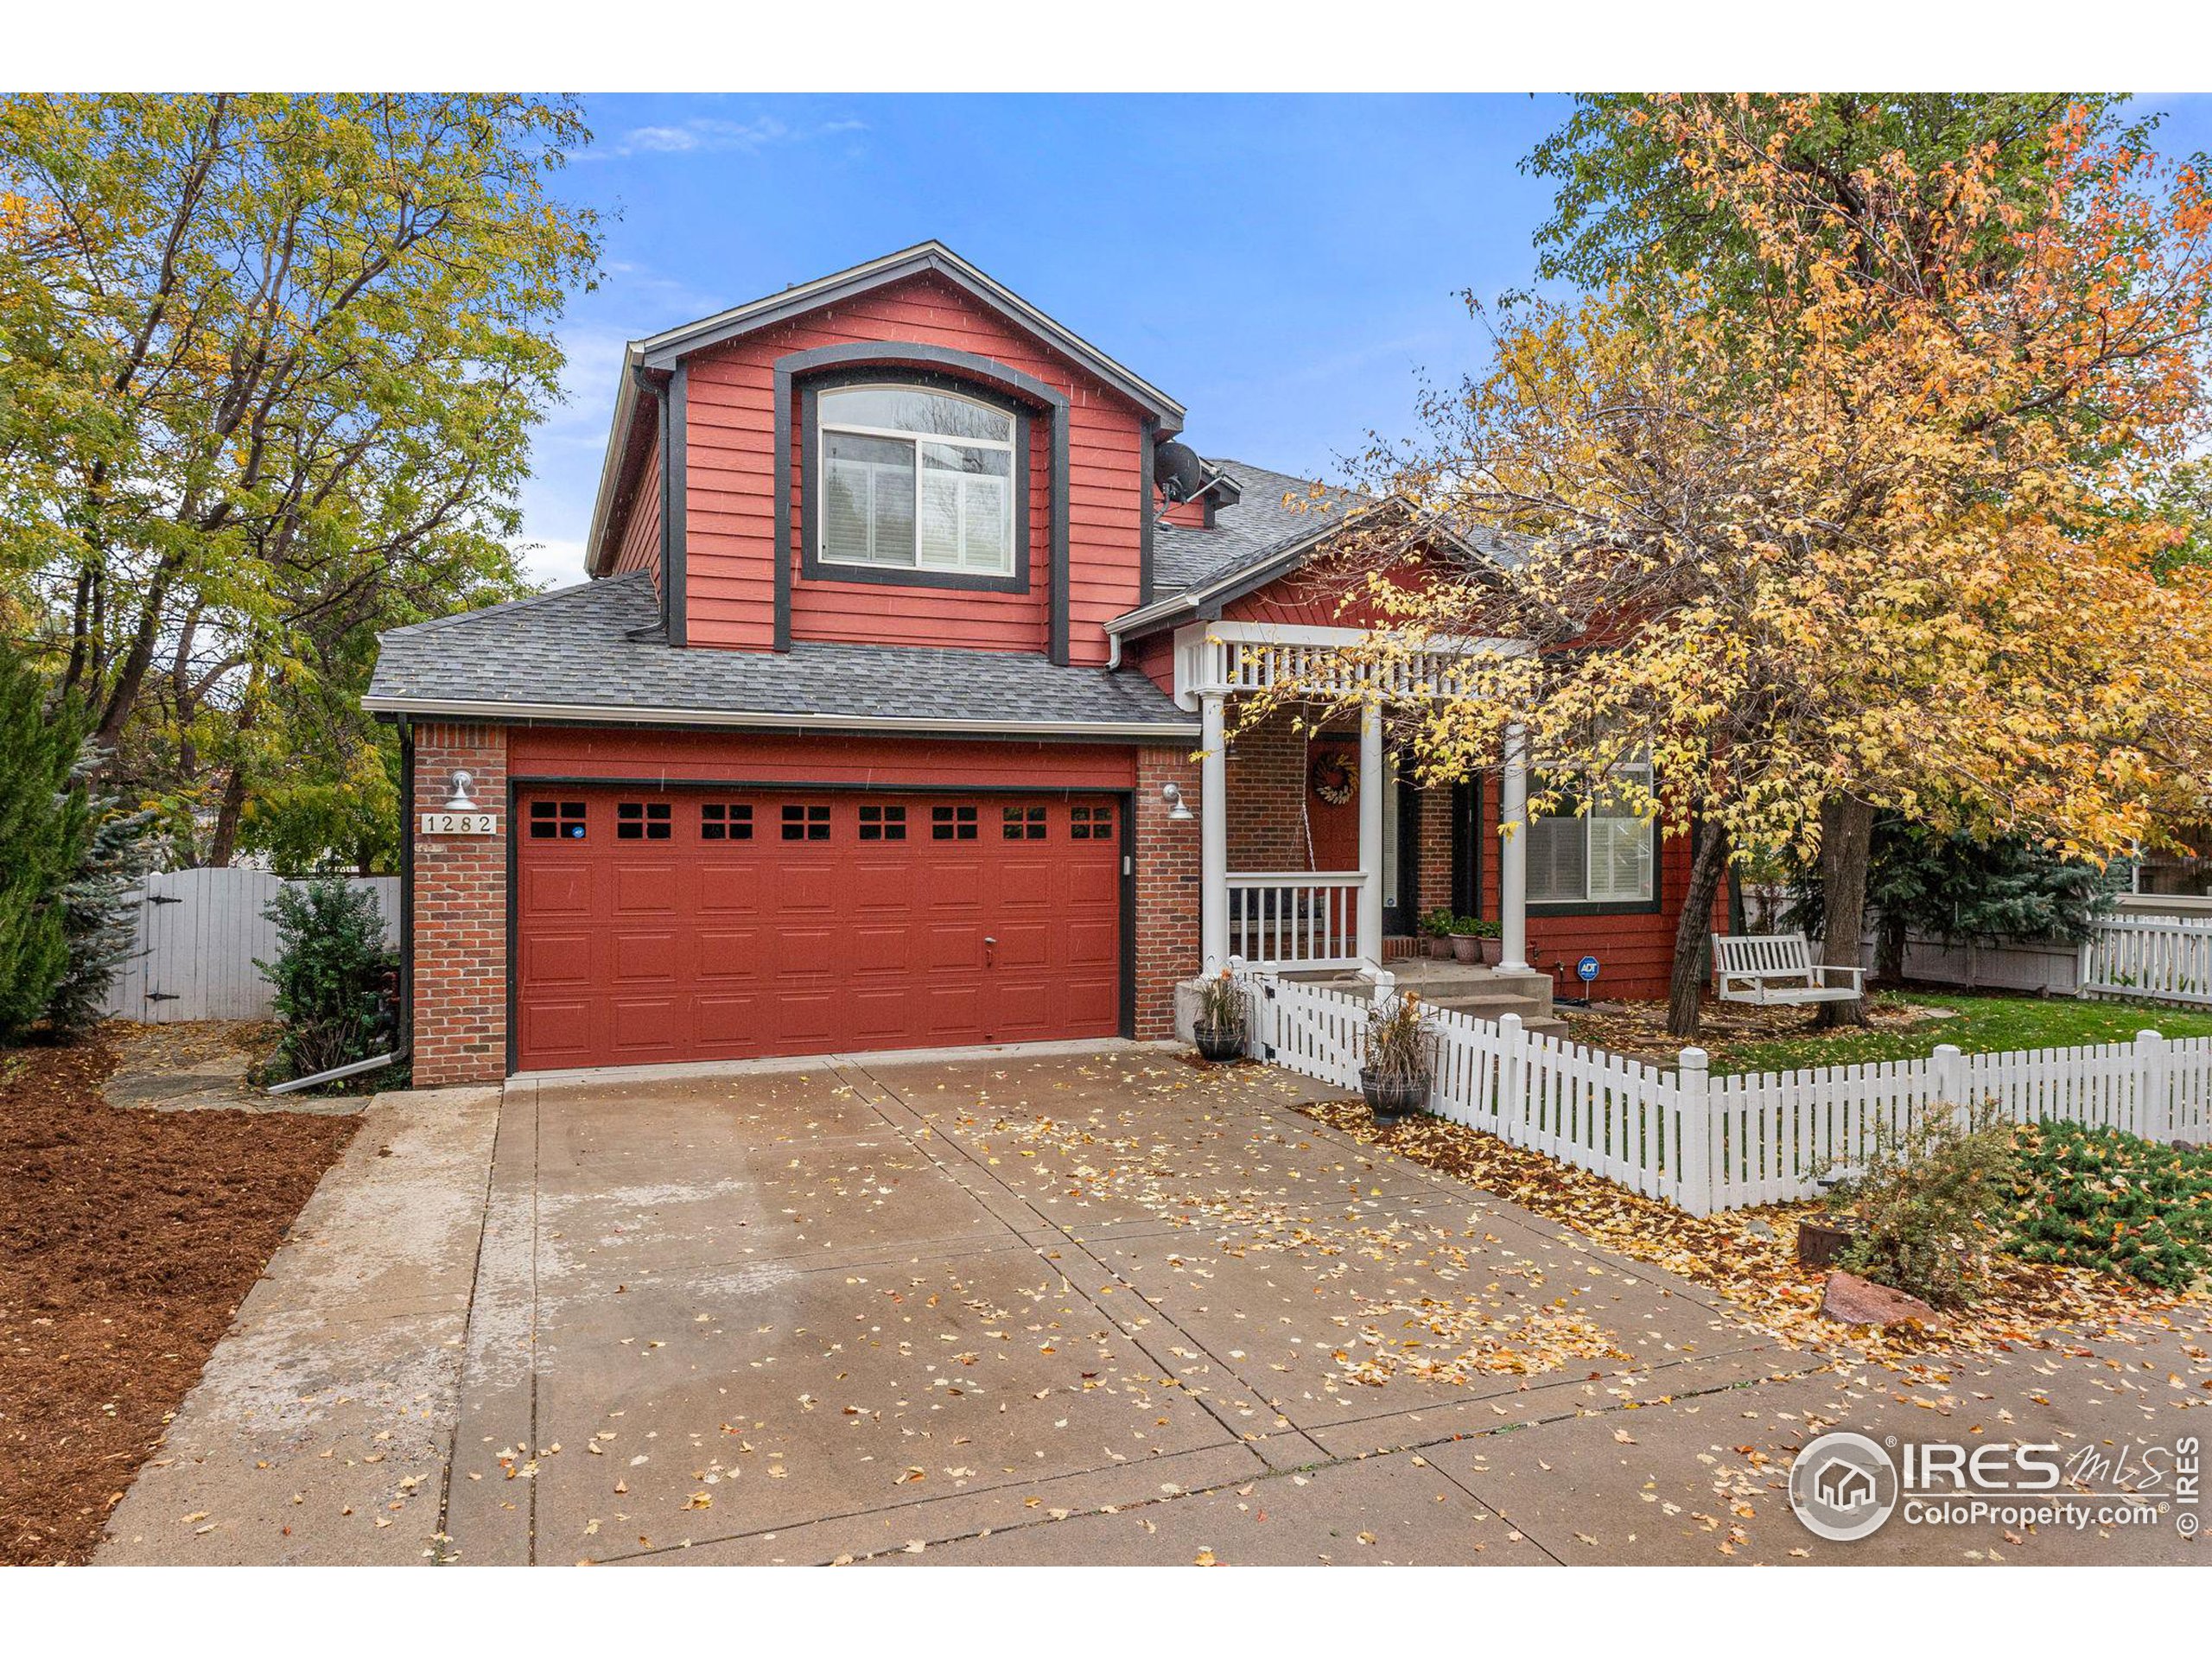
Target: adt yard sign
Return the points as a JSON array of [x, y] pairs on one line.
[[1587, 968]]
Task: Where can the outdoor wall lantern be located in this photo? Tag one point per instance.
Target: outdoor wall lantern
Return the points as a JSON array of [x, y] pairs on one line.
[[459, 801], [1177, 812]]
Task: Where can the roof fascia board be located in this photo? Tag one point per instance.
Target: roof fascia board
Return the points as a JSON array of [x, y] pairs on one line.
[[662, 350], [589, 712], [1206, 601], [597, 558]]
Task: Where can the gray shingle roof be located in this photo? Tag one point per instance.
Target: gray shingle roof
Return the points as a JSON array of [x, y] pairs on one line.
[[569, 650], [1260, 526]]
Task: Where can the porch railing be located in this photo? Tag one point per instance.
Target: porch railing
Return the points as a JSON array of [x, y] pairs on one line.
[[1295, 919]]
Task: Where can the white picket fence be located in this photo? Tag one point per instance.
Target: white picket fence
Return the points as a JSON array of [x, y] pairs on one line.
[[2165, 960], [199, 934], [1707, 1143]]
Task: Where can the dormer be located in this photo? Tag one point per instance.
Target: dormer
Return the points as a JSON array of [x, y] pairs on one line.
[[906, 453]]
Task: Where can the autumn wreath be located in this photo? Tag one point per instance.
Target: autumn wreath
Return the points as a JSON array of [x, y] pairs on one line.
[[1335, 775]]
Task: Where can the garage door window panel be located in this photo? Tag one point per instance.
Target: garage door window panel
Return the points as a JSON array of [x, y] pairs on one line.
[[725, 821]]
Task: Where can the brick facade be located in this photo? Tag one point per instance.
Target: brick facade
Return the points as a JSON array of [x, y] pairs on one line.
[[459, 988], [1434, 872], [1267, 779], [1167, 889]]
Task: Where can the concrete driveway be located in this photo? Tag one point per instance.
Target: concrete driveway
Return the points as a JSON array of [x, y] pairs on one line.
[[1089, 1306]]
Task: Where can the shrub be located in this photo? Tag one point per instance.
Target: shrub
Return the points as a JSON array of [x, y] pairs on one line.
[[1438, 923], [99, 908], [329, 974], [2095, 1198], [1930, 1203], [44, 824]]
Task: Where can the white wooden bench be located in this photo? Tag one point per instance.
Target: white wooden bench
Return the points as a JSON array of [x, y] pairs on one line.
[[1770, 968]]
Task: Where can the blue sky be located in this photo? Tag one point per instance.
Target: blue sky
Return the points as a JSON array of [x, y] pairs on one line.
[[1284, 266]]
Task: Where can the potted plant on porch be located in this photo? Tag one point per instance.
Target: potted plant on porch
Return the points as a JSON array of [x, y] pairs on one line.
[[1219, 1027], [1467, 932], [1436, 931], [1396, 1072], [1489, 942]]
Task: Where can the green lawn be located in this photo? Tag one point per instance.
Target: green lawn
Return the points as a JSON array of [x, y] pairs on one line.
[[1980, 1024]]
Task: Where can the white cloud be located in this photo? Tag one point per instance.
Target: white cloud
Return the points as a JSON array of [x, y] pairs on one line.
[[711, 133], [551, 564]]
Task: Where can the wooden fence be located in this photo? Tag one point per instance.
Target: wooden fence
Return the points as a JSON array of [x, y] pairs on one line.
[[2163, 959], [199, 934], [1708, 1143]]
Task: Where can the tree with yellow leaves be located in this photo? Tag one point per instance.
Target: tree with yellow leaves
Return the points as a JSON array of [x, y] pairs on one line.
[[1879, 528]]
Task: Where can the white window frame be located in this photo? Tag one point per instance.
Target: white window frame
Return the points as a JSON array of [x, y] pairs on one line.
[[1641, 770], [1010, 551]]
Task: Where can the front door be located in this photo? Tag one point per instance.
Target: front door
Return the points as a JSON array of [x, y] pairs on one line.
[[1333, 786]]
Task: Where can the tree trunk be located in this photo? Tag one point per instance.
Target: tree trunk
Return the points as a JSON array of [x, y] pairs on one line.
[[1889, 948], [1846, 837], [1686, 982], [223, 844]]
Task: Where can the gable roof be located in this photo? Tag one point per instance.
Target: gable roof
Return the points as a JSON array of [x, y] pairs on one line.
[[658, 354], [574, 654], [1273, 528]]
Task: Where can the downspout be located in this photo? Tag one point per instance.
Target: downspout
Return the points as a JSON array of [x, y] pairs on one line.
[[406, 885]]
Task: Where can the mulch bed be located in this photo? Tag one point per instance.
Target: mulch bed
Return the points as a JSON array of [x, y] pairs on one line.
[[1639, 1029], [127, 1240], [1749, 1255]]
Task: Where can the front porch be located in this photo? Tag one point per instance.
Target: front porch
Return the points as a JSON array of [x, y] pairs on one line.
[[1315, 853], [1458, 988]]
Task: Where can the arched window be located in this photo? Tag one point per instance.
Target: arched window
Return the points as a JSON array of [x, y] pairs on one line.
[[916, 479]]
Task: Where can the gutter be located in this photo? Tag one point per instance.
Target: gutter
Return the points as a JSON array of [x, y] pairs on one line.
[[602, 713]]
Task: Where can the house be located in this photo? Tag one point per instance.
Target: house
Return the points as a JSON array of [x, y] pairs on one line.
[[892, 716]]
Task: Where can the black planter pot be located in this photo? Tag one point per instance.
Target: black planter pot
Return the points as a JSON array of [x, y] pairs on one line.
[[1219, 1043], [1820, 1245], [1394, 1094]]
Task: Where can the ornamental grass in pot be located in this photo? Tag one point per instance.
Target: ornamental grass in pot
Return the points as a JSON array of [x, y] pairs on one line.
[[1395, 1070], [1219, 1028]]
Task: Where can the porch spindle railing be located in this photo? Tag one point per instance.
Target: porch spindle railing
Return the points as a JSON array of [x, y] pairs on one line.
[[1295, 919]]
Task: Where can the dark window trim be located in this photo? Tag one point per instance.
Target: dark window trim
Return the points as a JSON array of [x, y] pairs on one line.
[[814, 568], [1650, 906], [972, 372], [1594, 907]]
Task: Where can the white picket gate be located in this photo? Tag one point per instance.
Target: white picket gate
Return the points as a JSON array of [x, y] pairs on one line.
[[2165, 960], [200, 933], [1709, 1143]]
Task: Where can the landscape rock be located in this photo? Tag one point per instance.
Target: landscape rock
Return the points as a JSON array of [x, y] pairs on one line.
[[1854, 1300]]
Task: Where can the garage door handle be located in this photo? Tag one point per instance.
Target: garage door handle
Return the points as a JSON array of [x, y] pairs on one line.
[[990, 951]]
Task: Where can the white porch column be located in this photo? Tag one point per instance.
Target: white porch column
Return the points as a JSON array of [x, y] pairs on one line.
[[1372, 783], [1213, 833], [1513, 853]]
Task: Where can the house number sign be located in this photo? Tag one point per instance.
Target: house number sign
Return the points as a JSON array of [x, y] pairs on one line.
[[460, 823]]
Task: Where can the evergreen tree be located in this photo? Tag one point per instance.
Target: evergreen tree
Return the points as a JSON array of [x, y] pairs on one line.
[[100, 905], [44, 828]]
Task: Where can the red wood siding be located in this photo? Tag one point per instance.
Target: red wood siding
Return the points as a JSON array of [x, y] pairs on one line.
[[770, 758], [1635, 951], [640, 548], [730, 489]]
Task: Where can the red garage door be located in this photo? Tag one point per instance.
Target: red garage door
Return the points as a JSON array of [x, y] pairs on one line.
[[654, 927]]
